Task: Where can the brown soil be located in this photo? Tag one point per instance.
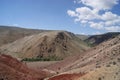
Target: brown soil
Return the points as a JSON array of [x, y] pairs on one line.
[[66, 77], [90, 60], [59, 44]]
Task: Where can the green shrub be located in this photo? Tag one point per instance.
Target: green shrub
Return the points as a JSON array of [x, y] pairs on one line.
[[49, 58]]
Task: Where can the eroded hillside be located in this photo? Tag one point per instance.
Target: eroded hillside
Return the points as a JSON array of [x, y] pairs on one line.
[[99, 63], [47, 44]]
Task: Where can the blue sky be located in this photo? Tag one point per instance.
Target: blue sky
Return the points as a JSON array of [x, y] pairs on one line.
[[62, 15]]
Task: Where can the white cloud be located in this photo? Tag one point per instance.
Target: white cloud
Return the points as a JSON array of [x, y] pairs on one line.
[[109, 16], [96, 25], [100, 4], [113, 28], [86, 13], [111, 19], [91, 16], [71, 13], [83, 10], [113, 22], [83, 14], [84, 21]]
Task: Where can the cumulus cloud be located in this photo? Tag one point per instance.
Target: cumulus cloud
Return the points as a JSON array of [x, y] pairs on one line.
[[99, 4], [109, 16], [71, 13], [113, 28], [86, 13], [96, 25], [90, 14]]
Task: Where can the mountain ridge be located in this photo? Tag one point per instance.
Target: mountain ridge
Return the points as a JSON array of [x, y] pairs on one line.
[[97, 39]]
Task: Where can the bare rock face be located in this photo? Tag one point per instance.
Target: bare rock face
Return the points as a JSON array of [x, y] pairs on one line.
[[56, 43], [12, 69]]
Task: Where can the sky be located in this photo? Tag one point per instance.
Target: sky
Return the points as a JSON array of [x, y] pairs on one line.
[[77, 16]]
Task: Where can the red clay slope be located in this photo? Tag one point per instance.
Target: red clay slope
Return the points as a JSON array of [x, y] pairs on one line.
[[12, 69]]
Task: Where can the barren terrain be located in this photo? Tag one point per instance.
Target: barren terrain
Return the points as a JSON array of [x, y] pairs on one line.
[[59, 44], [73, 58]]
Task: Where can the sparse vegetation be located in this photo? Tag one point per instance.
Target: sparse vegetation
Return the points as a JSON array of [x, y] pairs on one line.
[[89, 44], [50, 58]]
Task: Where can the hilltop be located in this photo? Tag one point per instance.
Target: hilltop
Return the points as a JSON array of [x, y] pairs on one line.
[[57, 44]]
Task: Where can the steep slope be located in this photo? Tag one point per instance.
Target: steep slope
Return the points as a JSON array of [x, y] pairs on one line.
[[103, 73], [97, 39], [12, 69], [99, 63], [9, 34], [110, 68], [47, 44]]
